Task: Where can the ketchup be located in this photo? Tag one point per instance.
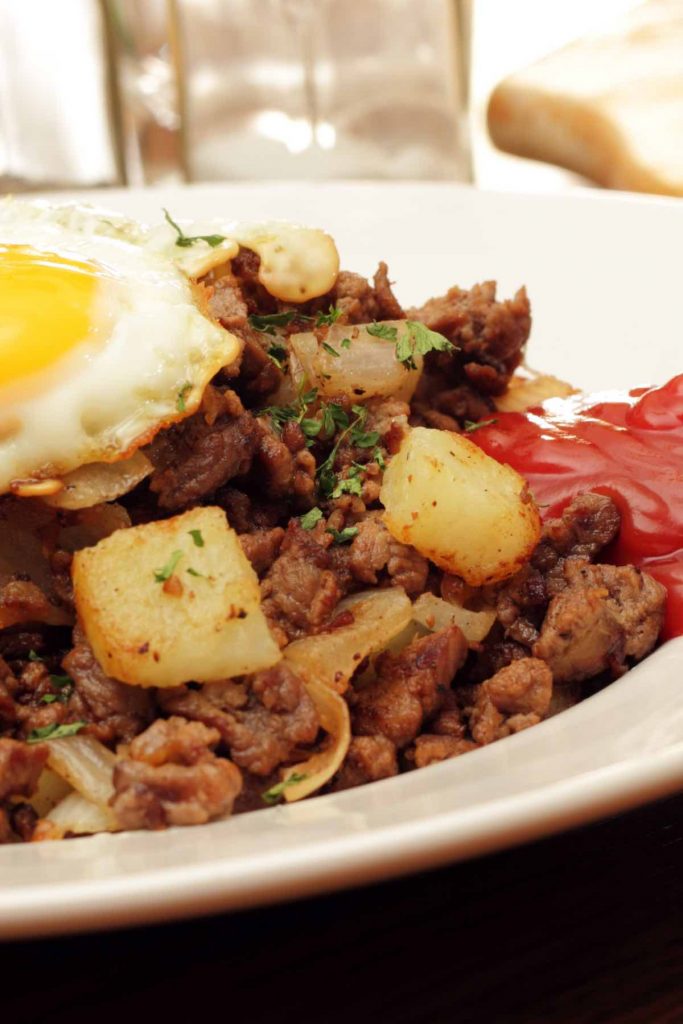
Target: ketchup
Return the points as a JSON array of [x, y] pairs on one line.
[[628, 445]]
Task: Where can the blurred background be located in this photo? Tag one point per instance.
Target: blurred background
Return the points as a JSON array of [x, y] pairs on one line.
[[110, 92]]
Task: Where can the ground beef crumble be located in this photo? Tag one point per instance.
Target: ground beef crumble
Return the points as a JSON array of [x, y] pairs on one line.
[[171, 777]]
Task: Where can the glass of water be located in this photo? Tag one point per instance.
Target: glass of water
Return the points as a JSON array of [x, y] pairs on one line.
[[273, 89]]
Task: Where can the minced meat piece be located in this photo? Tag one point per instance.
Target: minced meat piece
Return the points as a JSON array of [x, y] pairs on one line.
[[172, 777], [486, 332], [430, 749], [118, 711], [197, 456], [604, 614], [262, 547], [368, 759], [410, 687], [262, 722], [374, 551], [301, 589], [516, 697], [20, 767]]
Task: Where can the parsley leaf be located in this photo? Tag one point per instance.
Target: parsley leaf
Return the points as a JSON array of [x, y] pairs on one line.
[[345, 343], [327, 479], [54, 731], [184, 240], [418, 339], [182, 395], [310, 428], [334, 418], [61, 681], [267, 322], [166, 571], [330, 351], [343, 536], [275, 793], [378, 457], [65, 685], [472, 425], [380, 330], [351, 484], [329, 318], [308, 521], [32, 656], [197, 538], [278, 355], [193, 572], [280, 414]]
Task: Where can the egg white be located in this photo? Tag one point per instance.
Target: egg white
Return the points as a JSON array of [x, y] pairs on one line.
[[145, 366]]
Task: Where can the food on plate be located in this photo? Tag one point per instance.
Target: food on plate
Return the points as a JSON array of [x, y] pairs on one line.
[[266, 534]]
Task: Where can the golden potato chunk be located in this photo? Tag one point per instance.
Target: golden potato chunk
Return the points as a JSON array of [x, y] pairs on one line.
[[173, 601], [457, 506]]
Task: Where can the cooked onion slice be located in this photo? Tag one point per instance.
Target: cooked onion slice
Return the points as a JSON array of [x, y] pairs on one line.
[[364, 368], [78, 816], [100, 481], [333, 657], [333, 713], [526, 392], [471, 515], [434, 613], [87, 765]]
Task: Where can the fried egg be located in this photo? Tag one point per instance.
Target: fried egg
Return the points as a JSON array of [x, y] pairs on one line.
[[103, 340]]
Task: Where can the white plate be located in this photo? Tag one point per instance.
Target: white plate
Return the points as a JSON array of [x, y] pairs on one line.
[[603, 272]]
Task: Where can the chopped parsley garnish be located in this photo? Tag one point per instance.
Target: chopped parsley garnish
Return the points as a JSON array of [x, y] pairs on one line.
[[419, 340], [472, 425], [345, 343], [278, 355], [197, 538], [166, 571], [385, 331], [65, 685], [276, 792], [184, 241], [343, 536], [308, 521], [281, 414], [193, 572], [267, 322], [378, 457], [182, 395], [54, 732], [310, 428], [334, 418], [416, 339], [32, 656], [351, 484], [61, 681], [329, 318], [330, 351], [327, 479]]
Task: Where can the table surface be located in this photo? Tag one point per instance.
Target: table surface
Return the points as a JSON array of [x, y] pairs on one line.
[[581, 928]]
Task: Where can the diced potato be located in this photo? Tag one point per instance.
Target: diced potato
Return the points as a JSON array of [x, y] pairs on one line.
[[173, 601], [457, 506]]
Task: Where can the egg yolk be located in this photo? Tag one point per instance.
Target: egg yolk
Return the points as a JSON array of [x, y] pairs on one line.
[[46, 304]]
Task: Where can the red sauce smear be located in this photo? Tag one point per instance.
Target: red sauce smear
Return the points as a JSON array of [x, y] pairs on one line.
[[627, 445]]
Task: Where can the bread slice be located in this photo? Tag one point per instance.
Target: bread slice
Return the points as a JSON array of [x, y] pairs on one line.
[[609, 106]]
